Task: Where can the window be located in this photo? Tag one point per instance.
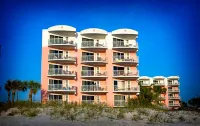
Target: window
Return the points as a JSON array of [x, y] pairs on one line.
[[118, 55], [67, 97], [87, 82], [170, 95], [87, 97], [119, 97], [55, 81], [55, 97], [169, 88], [129, 84]]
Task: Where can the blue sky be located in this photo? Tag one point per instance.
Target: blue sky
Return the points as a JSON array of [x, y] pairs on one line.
[[168, 35]]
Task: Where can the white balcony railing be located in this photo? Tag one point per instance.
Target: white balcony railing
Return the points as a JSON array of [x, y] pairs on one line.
[[173, 90], [93, 88], [127, 89], [119, 44], [123, 73], [89, 58], [56, 56], [146, 84], [159, 83], [119, 103], [173, 83], [61, 72], [94, 101], [60, 101], [173, 97], [124, 59], [60, 41], [60, 87], [92, 73], [91, 44], [174, 104]]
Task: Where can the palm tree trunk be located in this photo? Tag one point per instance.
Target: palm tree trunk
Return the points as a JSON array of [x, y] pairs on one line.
[[17, 96], [13, 97], [8, 97], [30, 95]]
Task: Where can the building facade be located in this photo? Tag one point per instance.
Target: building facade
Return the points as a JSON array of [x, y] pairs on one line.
[[93, 65], [172, 96]]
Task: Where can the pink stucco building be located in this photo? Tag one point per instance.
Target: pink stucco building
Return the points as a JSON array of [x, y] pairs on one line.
[[92, 65], [172, 96]]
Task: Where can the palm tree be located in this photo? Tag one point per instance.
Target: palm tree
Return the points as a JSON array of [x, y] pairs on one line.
[[21, 87], [33, 88], [8, 88], [14, 87]]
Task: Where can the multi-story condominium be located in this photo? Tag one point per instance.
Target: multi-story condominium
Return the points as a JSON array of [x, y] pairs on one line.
[[172, 96], [93, 65]]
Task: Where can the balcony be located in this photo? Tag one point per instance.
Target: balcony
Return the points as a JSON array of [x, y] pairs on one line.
[[173, 90], [118, 89], [174, 104], [173, 83], [61, 88], [93, 45], [60, 101], [174, 97], [158, 84], [60, 58], [145, 84], [118, 45], [88, 59], [127, 61], [59, 42], [119, 103], [125, 74], [94, 101], [93, 74], [94, 88], [59, 72]]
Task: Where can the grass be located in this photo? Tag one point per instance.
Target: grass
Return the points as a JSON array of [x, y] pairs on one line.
[[32, 112], [86, 112], [136, 117], [181, 118]]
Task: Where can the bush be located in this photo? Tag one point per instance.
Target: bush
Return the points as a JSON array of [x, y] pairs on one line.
[[136, 117], [181, 118], [155, 118], [32, 112], [13, 111], [120, 115], [142, 112]]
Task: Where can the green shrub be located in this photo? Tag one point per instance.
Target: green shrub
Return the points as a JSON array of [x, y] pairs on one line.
[[32, 112], [181, 118], [136, 117]]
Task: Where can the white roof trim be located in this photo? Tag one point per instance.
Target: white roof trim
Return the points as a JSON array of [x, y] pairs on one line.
[[94, 31], [62, 28], [125, 31], [173, 77], [144, 77], [158, 77]]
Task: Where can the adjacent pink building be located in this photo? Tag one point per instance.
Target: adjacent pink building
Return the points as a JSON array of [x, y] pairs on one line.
[[172, 97], [93, 65]]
